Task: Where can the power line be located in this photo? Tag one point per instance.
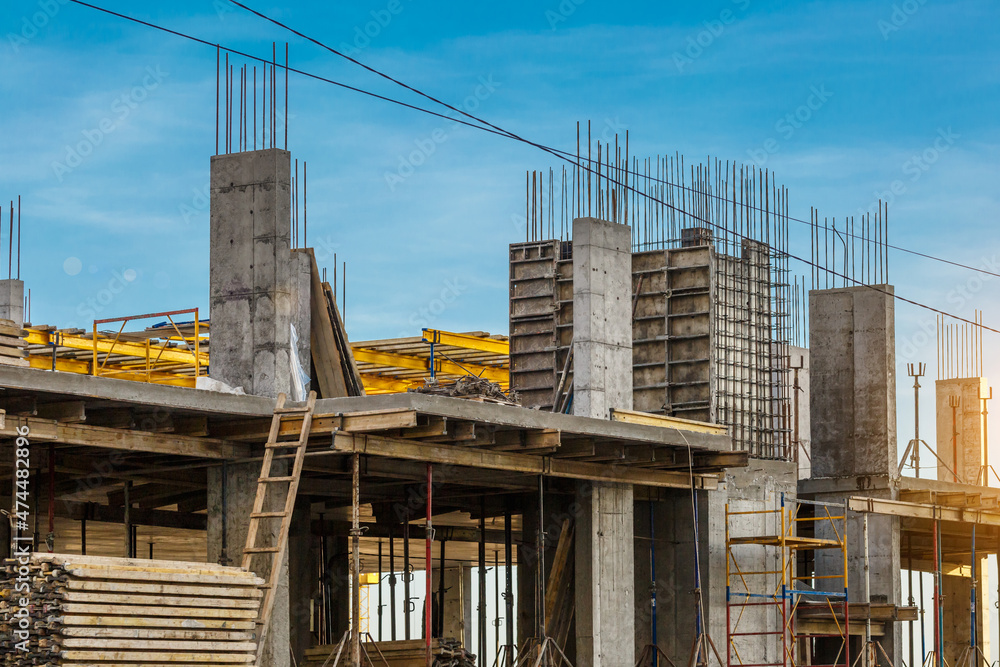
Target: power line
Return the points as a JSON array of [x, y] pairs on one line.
[[493, 129], [564, 154], [572, 159]]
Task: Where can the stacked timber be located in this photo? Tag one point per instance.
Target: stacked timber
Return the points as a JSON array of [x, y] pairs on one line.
[[411, 653], [76, 611], [12, 344]]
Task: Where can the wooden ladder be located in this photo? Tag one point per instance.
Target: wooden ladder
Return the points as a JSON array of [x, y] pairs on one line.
[[259, 518]]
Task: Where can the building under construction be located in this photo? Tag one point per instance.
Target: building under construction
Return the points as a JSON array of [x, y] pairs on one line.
[[674, 456]]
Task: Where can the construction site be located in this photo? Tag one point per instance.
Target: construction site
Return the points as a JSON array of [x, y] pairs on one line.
[[681, 452]]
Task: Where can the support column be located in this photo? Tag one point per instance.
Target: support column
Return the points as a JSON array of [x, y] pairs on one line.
[[241, 489], [853, 426], [602, 339], [251, 272], [961, 444], [12, 301], [605, 584], [256, 292], [302, 584], [602, 317]]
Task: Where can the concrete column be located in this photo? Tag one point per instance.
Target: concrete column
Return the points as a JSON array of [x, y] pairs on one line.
[[251, 271], [258, 289], [853, 427], [457, 602], [602, 317], [12, 301], [961, 425], [957, 594], [853, 359], [602, 380], [605, 584], [303, 562], [241, 482], [799, 405]]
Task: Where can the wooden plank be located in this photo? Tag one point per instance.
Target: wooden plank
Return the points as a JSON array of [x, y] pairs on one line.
[[663, 421], [41, 430], [98, 620], [521, 463], [132, 587], [923, 511], [323, 344], [558, 592], [357, 422], [131, 612], [185, 578], [142, 565], [157, 633], [164, 600], [156, 645], [349, 365], [520, 440], [168, 657]]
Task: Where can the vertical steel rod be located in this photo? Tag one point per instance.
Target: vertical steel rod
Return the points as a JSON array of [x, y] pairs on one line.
[[356, 560], [427, 544]]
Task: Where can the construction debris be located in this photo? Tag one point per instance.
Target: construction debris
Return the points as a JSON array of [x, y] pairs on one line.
[[471, 387], [84, 610]]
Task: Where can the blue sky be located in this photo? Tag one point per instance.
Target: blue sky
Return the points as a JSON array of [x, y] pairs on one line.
[[126, 230]]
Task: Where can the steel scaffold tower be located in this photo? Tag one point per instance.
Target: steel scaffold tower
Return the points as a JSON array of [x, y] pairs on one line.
[[767, 579]]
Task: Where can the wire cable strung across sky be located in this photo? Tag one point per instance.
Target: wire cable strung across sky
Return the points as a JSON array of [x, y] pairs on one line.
[[484, 125], [480, 124]]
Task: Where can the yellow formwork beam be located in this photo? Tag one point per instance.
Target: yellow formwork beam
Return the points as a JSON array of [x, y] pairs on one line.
[[158, 353], [438, 337], [379, 384], [44, 362], [492, 373]]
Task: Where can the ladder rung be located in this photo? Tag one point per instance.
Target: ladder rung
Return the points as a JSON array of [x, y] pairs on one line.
[[261, 550], [267, 480], [288, 411], [268, 515], [283, 444]]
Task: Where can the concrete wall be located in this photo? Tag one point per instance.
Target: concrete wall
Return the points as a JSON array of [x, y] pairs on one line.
[[758, 487]]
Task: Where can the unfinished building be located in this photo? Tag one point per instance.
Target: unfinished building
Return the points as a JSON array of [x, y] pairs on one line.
[[620, 481]]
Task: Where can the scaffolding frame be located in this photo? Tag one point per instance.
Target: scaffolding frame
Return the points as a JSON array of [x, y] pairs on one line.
[[784, 589]]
